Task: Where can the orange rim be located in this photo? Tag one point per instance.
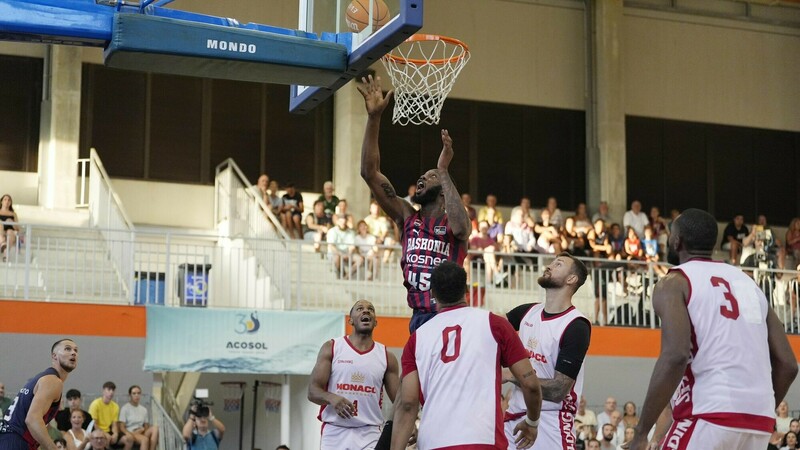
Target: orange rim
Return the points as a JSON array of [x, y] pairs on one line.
[[431, 37]]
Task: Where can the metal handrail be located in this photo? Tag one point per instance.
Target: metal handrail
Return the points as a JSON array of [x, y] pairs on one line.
[[95, 159], [169, 436]]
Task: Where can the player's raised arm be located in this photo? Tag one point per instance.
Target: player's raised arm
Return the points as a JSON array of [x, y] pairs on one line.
[[46, 392], [456, 214], [669, 302], [381, 188], [406, 409], [781, 356]]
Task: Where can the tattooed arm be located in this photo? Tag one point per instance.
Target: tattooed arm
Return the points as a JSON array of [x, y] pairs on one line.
[[383, 191]]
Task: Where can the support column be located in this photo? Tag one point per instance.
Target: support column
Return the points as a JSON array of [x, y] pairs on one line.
[[606, 177], [59, 130], [349, 120]]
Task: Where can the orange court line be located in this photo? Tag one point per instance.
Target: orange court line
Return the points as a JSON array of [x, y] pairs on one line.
[[77, 319]]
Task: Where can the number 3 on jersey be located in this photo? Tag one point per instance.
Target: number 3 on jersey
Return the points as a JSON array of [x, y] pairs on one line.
[[730, 310], [424, 282]]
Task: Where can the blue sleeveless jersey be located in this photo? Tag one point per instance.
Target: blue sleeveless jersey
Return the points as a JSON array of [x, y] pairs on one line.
[[426, 243], [14, 420]]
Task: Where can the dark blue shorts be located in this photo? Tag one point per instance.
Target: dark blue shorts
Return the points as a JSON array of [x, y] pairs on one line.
[[418, 318], [13, 441]]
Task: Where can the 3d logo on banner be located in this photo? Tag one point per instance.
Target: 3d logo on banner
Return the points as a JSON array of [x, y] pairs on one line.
[[236, 341]]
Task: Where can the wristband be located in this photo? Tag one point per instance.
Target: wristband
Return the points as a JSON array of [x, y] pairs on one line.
[[212, 418], [531, 423]]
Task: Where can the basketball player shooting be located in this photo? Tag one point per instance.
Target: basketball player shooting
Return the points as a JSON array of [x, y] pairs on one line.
[[438, 231], [725, 358]]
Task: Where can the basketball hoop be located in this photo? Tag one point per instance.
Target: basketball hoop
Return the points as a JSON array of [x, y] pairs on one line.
[[423, 70], [272, 397], [233, 393]]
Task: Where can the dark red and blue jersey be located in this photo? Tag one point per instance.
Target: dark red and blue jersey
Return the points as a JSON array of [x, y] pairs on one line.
[[427, 241], [14, 420]]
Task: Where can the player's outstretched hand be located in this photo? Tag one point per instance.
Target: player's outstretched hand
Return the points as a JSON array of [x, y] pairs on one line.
[[525, 435], [344, 408], [374, 100], [447, 151]]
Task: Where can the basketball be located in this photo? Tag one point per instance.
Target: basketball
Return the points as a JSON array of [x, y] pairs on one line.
[[357, 16]]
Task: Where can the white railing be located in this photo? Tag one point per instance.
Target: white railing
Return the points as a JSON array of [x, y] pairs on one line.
[[108, 215], [174, 269], [169, 436], [240, 213]]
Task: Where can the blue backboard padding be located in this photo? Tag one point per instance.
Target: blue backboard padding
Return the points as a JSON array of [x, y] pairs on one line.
[[69, 21], [158, 44], [369, 52], [184, 15]]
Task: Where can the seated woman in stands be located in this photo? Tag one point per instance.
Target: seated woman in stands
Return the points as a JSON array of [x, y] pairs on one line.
[[793, 240], [8, 239]]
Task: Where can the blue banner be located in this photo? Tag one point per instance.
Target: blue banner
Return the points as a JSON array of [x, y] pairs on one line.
[[237, 340]]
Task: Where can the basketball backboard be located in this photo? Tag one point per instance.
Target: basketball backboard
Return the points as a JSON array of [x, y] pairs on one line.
[[327, 19]]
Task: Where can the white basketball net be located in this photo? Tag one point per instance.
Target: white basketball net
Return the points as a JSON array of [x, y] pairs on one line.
[[232, 392], [272, 397], [423, 70]]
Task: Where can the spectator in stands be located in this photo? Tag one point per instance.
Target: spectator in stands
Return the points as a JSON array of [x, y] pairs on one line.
[[61, 444], [789, 441], [493, 264], [793, 240], [8, 238], [262, 188], [633, 246], [342, 249], [381, 228], [794, 426], [466, 200], [763, 246], [593, 444], [329, 201], [573, 240], [783, 419], [64, 416], [635, 219], [491, 214], [556, 218], [549, 240], [733, 237], [651, 254], [203, 431], [602, 213], [527, 212], [586, 416], [134, 424], [605, 416], [616, 239], [598, 240], [366, 246], [274, 201], [582, 222], [105, 412], [629, 434], [609, 441], [77, 436], [99, 440], [629, 417], [341, 210], [673, 214], [281, 447], [660, 229], [292, 212], [5, 402], [519, 237], [317, 225], [616, 420]]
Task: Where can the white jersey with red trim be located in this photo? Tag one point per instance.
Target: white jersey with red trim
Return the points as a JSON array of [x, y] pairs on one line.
[[728, 380], [358, 377], [458, 355]]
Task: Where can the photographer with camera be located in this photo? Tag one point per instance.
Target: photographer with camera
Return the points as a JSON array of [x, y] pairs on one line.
[[762, 249], [202, 430]]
